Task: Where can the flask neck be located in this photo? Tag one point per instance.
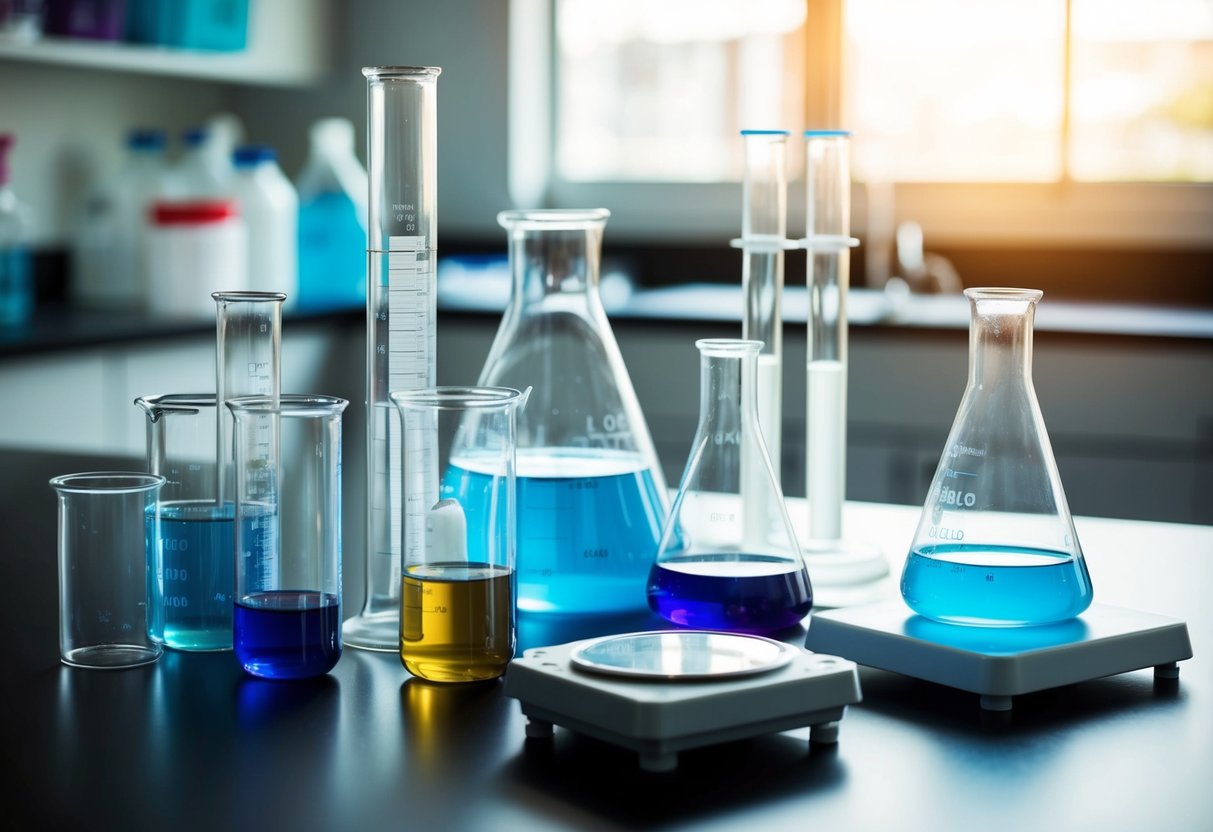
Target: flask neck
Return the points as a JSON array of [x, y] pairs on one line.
[[728, 386], [555, 263], [1000, 334]]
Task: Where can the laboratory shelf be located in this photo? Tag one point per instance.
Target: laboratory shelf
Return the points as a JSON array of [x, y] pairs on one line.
[[288, 45]]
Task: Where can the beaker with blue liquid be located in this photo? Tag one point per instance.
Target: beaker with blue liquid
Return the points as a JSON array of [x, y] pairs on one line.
[[728, 558], [996, 545], [190, 558], [591, 495]]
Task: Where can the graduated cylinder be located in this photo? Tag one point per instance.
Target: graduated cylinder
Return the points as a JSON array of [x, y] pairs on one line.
[[402, 247]]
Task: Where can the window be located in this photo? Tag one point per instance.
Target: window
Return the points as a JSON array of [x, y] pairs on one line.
[[1045, 121]]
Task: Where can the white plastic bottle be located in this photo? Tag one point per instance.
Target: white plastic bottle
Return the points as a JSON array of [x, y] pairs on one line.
[[270, 208], [107, 266], [200, 173], [332, 219]]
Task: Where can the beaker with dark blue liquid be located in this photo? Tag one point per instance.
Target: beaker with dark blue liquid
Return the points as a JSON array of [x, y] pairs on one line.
[[287, 622], [995, 544], [728, 558]]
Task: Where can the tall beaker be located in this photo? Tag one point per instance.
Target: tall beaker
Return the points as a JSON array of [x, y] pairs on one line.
[[591, 496], [190, 535], [711, 572], [287, 621], [458, 583], [996, 544], [401, 312]]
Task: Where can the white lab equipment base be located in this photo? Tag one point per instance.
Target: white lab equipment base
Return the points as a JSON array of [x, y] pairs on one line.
[[659, 718], [999, 663]]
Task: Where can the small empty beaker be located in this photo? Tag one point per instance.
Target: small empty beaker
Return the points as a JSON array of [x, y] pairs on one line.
[[458, 587], [287, 621], [103, 580]]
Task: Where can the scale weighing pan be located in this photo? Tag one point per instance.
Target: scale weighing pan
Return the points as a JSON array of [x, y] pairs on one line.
[[662, 692], [1001, 662]]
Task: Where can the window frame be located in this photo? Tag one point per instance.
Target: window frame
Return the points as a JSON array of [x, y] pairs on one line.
[[1064, 213]]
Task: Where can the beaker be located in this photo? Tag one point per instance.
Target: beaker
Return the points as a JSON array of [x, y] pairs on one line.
[[103, 581], [287, 622], [458, 583], [996, 544], [190, 532], [844, 570], [711, 572], [248, 349], [402, 296], [591, 495]]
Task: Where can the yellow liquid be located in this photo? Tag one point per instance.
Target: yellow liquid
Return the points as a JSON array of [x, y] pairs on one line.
[[457, 621]]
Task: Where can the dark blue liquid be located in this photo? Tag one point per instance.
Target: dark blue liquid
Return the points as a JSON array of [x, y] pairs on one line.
[[739, 593], [1003, 586], [288, 634], [192, 575]]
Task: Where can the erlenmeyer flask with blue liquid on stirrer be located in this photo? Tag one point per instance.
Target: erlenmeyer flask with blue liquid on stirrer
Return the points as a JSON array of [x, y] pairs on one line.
[[591, 496], [996, 545]]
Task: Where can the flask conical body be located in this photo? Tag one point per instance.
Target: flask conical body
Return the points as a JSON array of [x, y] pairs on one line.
[[995, 544], [591, 496], [728, 558]]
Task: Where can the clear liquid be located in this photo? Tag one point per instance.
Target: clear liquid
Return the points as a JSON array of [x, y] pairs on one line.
[[192, 575], [288, 634], [735, 592], [589, 522], [1001, 586], [457, 621], [332, 253]]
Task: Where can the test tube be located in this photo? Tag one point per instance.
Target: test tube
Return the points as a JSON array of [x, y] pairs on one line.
[[248, 349], [402, 246], [832, 561], [762, 243]]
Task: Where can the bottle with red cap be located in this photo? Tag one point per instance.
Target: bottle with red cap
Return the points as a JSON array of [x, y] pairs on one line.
[[194, 248]]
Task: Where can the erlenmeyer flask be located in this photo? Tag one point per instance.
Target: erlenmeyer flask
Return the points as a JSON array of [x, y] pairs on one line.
[[591, 496], [996, 544], [713, 571]]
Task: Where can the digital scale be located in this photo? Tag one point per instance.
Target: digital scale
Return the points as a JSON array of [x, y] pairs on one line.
[[659, 693], [1002, 662]]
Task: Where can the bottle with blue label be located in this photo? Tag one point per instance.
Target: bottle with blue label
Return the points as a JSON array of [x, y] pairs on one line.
[[16, 274], [995, 544], [591, 496], [332, 220]]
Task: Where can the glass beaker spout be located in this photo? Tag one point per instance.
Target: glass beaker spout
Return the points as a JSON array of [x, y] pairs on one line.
[[591, 494], [712, 571], [996, 544]]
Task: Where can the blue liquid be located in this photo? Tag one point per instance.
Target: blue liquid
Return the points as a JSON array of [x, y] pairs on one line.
[[288, 634], [735, 592], [332, 253], [1000, 586], [16, 285], [589, 522], [192, 576]]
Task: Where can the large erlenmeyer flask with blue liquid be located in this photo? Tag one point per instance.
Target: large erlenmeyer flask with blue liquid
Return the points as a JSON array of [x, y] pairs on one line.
[[591, 496], [996, 544]]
